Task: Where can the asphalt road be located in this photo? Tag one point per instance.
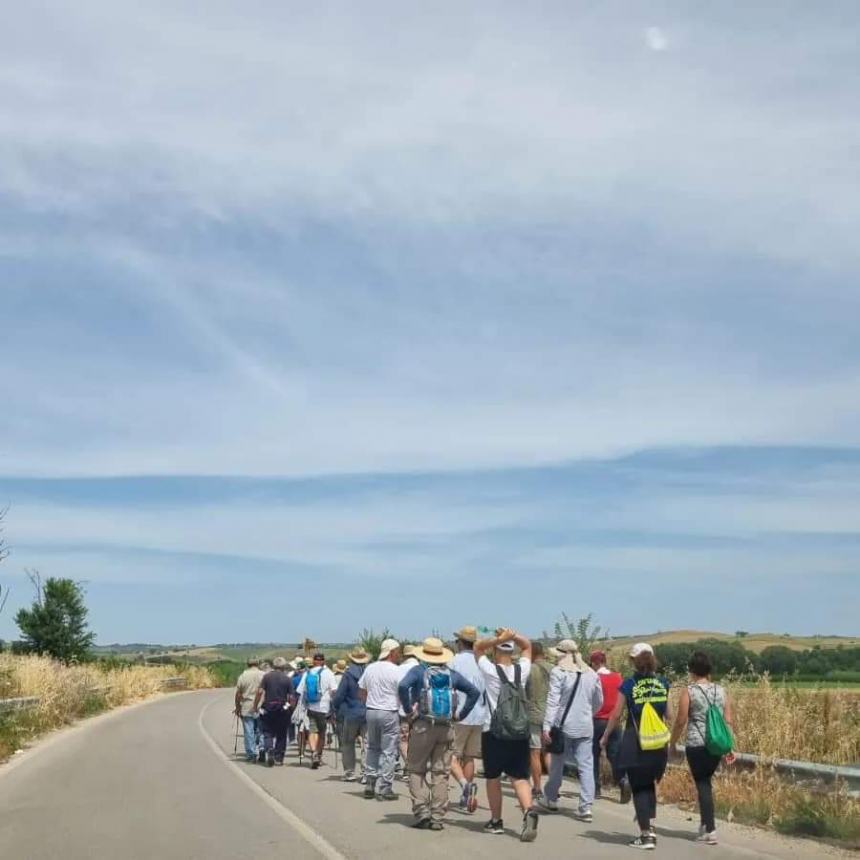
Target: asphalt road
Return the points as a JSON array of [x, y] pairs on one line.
[[159, 781]]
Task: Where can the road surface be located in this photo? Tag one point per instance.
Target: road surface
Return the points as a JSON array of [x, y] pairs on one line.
[[159, 781]]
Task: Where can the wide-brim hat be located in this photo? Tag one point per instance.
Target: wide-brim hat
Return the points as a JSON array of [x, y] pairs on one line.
[[358, 655], [409, 651], [467, 634], [340, 667], [433, 650]]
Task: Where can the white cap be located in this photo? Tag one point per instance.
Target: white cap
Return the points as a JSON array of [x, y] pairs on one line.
[[641, 648], [505, 646], [388, 645]]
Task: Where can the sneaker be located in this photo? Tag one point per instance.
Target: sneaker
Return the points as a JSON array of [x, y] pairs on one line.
[[362, 780], [436, 825], [645, 842], [261, 757], [422, 824], [495, 827], [626, 791], [270, 760], [370, 789], [315, 763], [706, 838], [537, 794], [349, 777], [472, 800], [530, 825], [547, 805], [386, 795], [584, 815]]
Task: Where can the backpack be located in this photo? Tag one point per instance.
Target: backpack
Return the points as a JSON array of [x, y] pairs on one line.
[[438, 700], [652, 732], [510, 720], [312, 686], [718, 735]]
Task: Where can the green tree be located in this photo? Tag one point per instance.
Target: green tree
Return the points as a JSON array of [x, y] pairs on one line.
[[56, 623], [585, 633], [778, 660]]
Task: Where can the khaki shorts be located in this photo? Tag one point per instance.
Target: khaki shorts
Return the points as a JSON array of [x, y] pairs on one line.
[[467, 741], [535, 739]]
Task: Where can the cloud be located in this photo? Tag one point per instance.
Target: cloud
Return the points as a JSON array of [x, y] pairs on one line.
[[656, 39]]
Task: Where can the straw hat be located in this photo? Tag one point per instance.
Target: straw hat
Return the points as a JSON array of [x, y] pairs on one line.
[[467, 634], [340, 667], [409, 651], [433, 650], [388, 645], [358, 655], [279, 663]]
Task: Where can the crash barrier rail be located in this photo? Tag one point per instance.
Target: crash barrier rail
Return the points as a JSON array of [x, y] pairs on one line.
[[174, 683], [20, 704]]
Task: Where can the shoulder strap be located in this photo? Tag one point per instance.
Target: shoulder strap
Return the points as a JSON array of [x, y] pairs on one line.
[[518, 673], [503, 677], [570, 699]]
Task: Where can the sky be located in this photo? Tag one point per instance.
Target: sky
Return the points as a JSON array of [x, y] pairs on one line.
[[317, 319]]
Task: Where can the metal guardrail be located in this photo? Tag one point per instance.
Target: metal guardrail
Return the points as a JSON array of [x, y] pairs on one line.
[[174, 683], [21, 704]]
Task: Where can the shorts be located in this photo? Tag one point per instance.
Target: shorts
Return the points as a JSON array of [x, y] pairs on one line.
[[318, 722], [467, 741], [405, 728], [505, 757], [535, 738]]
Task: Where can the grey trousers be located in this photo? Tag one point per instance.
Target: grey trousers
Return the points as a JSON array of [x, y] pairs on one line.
[[578, 751], [353, 732], [383, 736]]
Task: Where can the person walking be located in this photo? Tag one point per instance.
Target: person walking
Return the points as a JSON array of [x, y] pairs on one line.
[[428, 693], [315, 689], [410, 661], [505, 740], [246, 692], [349, 707], [574, 697], [378, 687], [610, 682], [469, 727], [696, 699], [537, 688], [644, 768], [272, 700]]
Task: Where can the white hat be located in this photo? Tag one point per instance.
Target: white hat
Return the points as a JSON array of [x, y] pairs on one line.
[[641, 648], [388, 645], [505, 646]]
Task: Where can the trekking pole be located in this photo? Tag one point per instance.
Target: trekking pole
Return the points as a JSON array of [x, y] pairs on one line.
[[235, 734]]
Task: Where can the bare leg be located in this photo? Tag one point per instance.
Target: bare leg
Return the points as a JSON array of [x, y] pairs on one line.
[[494, 798], [535, 765], [524, 793], [457, 771]]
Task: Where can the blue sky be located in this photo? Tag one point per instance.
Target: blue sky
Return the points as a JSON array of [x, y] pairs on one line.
[[565, 303]]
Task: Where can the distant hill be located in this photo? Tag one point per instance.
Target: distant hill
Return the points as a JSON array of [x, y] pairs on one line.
[[756, 642]]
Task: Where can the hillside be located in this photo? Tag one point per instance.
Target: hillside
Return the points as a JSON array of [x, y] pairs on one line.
[[756, 642]]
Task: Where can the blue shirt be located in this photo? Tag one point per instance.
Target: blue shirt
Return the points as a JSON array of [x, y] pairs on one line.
[[641, 689], [346, 703], [412, 684]]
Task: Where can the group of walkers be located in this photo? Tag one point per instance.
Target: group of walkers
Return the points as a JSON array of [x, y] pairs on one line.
[[523, 710]]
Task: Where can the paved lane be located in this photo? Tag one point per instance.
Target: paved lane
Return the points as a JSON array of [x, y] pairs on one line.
[[158, 782]]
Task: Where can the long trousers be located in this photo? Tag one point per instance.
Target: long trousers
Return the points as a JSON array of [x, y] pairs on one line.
[[251, 736], [642, 782], [612, 748], [703, 766], [275, 724], [431, 745], [353, 731], [383, 735], [578, 751]]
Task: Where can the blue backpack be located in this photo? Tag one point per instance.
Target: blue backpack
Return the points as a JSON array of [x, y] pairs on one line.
[[438, 700], [312, 685]]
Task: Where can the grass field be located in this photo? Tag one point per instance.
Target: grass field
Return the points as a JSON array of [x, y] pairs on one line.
[[756, 642]]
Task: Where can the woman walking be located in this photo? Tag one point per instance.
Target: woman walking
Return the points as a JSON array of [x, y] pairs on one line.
[[644, 767], [696, 699]]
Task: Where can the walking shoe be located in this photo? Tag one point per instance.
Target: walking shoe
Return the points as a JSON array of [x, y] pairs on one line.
[[495, 827], [386, 795], [706, 838], [261, 757], [547, 805], [270, 760], [315, 763], [530, 825], [537, 794], [370, 789], [362, 780], [584, 815], [436, 825], [349, 776], [422, 824], [472, 801], [626, 791], [645, 842]]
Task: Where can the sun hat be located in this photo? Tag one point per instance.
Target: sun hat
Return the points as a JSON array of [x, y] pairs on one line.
[[253, 661], [409, 651], [319, 656], [568, 646], [340, 667], [570, 660], [433, 650], [279, 663], [467, 634], [358, 655], [505, 646], [641, 648], [553, 653], [388, 645]]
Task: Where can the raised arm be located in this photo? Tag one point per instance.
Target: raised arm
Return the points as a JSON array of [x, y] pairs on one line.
[[524, 644], [503, 634]]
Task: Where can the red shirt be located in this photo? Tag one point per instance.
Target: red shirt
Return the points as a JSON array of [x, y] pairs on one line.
[[610, 681]]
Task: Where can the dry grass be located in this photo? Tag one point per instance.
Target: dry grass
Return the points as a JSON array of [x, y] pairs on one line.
[[753, 641], [67, 693]]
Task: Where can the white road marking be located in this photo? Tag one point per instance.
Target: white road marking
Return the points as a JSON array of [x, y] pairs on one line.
[[325, 848]]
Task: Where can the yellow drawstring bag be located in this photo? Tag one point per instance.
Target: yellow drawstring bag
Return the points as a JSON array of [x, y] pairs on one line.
[[653, 732]]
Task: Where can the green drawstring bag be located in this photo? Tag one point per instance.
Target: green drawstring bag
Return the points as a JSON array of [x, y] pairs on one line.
[[718, 735]]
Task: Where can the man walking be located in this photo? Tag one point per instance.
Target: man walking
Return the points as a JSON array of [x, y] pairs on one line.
[[610, 683], [574, 697], [537, 688], [378, 686], [505, 741], [273, 693], [428, 693], [468, 727], [410, 661], [351, 710], [315, 689], [246, 692]]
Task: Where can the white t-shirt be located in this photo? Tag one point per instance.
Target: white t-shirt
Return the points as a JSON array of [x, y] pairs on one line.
[[328, 684], [466, 664], [494, 685], [381, 680], [405, 667]]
